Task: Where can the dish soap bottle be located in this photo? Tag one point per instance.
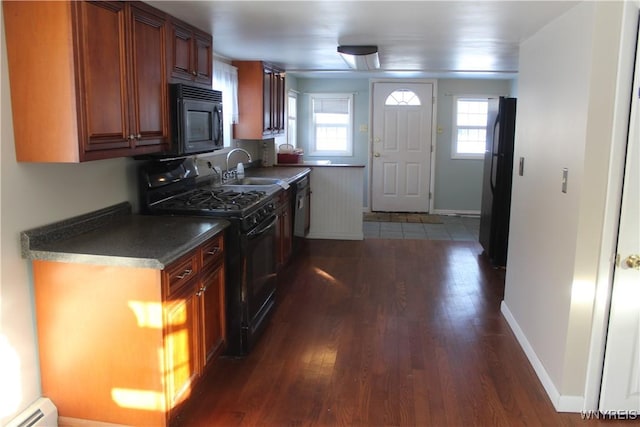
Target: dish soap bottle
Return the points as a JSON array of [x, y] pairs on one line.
[[240, 171]]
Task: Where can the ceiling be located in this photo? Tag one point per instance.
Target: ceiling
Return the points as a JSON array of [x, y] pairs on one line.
[[425, 39]]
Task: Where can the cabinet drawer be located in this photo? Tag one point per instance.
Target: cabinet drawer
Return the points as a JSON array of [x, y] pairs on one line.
[[212, 251], [178, 274]]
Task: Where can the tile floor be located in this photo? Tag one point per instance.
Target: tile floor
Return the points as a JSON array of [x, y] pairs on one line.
[[461, 228]]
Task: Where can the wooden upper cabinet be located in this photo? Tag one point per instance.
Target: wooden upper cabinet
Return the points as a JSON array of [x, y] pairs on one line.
[[148, 76], [260, 100], [90, 83], [121, 51], [104, 111], [190, 54]]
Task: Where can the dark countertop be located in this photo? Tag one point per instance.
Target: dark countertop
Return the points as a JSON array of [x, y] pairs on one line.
[[290, 174], [114, 236], [319, 164]]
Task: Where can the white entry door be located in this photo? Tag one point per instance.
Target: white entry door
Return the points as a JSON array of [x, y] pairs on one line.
[[401, 149], [620, 389]]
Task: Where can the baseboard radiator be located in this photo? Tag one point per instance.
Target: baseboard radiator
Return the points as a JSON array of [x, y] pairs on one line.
[[42, 413]]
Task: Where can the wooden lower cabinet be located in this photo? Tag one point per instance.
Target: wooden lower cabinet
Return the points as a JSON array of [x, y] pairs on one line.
[[284, 229], [127, 345], [212, 320]]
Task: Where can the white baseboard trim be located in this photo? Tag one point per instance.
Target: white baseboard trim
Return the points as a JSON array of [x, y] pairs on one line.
[[454, 212], [336, 236], [560, 403]]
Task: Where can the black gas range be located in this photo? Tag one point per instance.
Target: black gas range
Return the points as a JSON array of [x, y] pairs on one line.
[[175, 188]]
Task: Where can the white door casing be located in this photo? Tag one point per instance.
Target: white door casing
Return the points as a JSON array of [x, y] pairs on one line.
[[401, 149], [620, 388]]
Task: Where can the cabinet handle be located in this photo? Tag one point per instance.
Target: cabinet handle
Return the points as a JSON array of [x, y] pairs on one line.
[[184, 274], [213, 251]]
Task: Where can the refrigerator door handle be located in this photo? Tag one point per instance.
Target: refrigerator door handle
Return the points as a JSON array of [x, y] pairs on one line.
[[493, 155]]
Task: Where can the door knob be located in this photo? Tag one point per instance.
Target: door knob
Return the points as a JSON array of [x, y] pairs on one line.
[[633, 261], [376, 154]]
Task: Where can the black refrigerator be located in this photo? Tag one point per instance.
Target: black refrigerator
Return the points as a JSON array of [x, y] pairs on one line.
[[496, 180]]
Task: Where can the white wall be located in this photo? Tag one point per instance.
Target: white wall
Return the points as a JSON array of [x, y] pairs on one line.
[[566, 86], [458, 182]]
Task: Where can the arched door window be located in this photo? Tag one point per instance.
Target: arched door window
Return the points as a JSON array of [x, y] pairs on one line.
[[402, 97]]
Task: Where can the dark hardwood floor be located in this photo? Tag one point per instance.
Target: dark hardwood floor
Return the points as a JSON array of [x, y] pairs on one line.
[[382, 333]]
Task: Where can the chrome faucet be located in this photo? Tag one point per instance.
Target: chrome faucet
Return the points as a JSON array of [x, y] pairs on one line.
[[233, 151]]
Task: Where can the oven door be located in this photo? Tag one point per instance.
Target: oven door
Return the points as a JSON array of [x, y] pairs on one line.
[[259, 265], [201, 126]]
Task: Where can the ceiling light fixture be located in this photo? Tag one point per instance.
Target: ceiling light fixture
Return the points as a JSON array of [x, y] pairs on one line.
[[360, 57]]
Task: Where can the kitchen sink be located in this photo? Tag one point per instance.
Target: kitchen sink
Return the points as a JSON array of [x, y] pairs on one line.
[[254, 180], [270, 185]]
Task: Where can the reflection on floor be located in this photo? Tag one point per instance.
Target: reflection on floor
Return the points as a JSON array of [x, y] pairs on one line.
[[460, 228]]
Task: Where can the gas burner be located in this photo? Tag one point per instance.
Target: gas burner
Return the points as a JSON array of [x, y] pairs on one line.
[[202, 197], [219, 199]]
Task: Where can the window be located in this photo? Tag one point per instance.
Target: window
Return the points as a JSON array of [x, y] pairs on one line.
[[403, 97], [469, 127], [225, 79], [292, 113], [332, 124]]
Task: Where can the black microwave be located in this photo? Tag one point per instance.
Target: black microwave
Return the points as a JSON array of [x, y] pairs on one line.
[[195, 120]]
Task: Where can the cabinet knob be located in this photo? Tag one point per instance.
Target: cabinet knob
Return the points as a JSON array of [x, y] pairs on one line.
[[132, 136], [139, 136], [194, 72]]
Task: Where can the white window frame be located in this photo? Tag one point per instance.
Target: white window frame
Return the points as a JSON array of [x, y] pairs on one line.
[[292, 119], [455, 154], [313, 150]]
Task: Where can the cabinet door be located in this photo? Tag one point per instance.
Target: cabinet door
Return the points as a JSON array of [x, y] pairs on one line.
[[103, 92], [279, 103], [267, 101], [181, 338], [203, 63], [148, 78], [181, 52], [190, 54], [212, 313]]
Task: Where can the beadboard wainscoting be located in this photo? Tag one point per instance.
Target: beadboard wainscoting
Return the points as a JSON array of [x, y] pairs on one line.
[[336, 202]]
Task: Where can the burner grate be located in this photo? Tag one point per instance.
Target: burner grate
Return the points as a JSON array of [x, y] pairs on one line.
[[213, 200]]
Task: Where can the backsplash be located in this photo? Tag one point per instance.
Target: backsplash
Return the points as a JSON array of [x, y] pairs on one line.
[[205, 162]]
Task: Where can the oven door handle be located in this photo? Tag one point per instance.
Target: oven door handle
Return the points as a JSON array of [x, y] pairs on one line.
[[259, 231]]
